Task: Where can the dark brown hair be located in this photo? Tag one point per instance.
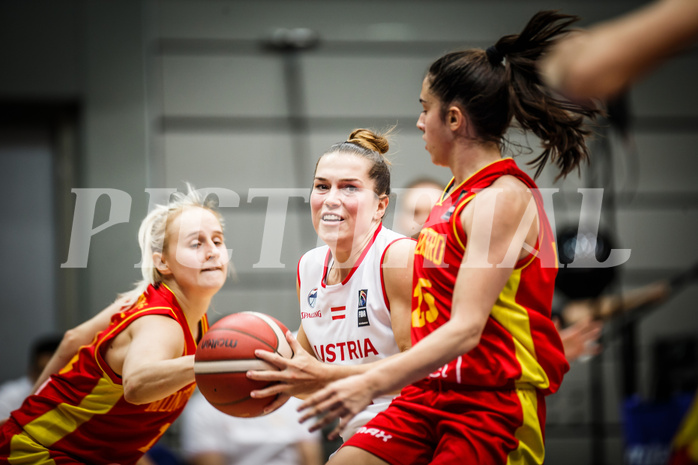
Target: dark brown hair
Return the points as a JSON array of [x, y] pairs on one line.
[[502, 83], [373, 146]]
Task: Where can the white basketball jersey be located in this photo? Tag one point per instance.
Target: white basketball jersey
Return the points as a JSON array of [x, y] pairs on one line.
[[349, 323]]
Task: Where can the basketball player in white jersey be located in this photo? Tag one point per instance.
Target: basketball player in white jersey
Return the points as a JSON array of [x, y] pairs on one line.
[[355, 291]]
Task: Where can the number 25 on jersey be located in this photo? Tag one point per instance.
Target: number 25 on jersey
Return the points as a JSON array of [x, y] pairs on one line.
[[420, 317]]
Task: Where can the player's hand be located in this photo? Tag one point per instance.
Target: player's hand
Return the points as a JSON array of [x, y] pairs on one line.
[[278, 402], [299, 375], [341, 400], [581, 339]]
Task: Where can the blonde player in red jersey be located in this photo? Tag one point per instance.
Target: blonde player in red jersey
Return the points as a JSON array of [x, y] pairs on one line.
[[121, 392], [354, 292], [485, 351]]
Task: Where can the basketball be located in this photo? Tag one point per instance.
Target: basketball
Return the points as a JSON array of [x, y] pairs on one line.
[[226, 352]]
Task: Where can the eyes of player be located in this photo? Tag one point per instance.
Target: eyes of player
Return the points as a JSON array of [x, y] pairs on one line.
[[217, 241], [344, 188]]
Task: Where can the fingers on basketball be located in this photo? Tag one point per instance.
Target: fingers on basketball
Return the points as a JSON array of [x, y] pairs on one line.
[[225, 354]]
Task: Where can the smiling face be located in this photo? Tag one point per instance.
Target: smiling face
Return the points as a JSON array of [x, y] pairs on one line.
[[344, 206], [436, 133], [195, 256]]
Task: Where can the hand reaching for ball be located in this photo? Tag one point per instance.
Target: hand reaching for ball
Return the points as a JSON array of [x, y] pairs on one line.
[[298, 376]]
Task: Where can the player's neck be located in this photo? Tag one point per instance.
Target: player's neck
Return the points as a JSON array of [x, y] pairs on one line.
[[472, 158], [345, 258], [193, 304]]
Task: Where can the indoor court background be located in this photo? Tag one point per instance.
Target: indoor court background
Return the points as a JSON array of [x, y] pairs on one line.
[[133, 98]]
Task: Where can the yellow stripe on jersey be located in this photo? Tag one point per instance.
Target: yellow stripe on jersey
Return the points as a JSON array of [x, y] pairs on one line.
[[686, 436], [26, 451], [514, 318], [52, 427], [531, 449]]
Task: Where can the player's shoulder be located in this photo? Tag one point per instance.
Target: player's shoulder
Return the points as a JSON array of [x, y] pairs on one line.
[[157, 299], [509, 184], [398, 250], [507, 191], [316, 252], [502, 202], [313, 258], [387, 237]]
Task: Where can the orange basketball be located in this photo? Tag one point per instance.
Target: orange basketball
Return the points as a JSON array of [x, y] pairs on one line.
[[226, 353]]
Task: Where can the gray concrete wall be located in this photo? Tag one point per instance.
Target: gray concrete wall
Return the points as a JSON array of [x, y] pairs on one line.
[[184, 91]]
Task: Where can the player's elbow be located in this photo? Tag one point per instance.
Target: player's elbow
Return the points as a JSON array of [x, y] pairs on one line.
[[72, 340], [471, 338], [467, 333], [133, 392], [130, 393]]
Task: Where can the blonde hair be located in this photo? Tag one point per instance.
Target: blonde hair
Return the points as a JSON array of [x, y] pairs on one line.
[[152, 237]]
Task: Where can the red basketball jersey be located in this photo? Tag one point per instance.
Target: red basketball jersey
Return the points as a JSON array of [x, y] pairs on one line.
[[80, 414], [519, 343]]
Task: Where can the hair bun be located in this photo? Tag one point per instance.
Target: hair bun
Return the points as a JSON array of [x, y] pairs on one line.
[[369, 140]]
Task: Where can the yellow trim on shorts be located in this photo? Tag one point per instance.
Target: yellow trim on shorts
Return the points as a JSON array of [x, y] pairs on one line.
[[531, 449]]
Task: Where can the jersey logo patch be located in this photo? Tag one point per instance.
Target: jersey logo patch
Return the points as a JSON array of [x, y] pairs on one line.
[[312, 298], [362, 312], [447, 216], [338, 313]]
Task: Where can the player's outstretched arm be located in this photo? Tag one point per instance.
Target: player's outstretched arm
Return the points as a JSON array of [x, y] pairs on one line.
[[75, 338], [469, 313], [148, 356], [602, 61], [304, 374]]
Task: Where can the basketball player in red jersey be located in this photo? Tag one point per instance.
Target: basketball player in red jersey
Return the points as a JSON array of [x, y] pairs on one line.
[[354, 291], [121, 392], [485, 351]]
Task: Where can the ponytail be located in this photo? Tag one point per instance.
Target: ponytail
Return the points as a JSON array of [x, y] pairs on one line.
[[559, 124], [501, 83]]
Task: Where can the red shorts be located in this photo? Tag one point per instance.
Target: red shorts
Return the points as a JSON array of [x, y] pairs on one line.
[[429, 423]]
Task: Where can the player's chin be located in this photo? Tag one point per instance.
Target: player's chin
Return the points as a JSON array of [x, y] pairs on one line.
[[212, 279], [329, 235]]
